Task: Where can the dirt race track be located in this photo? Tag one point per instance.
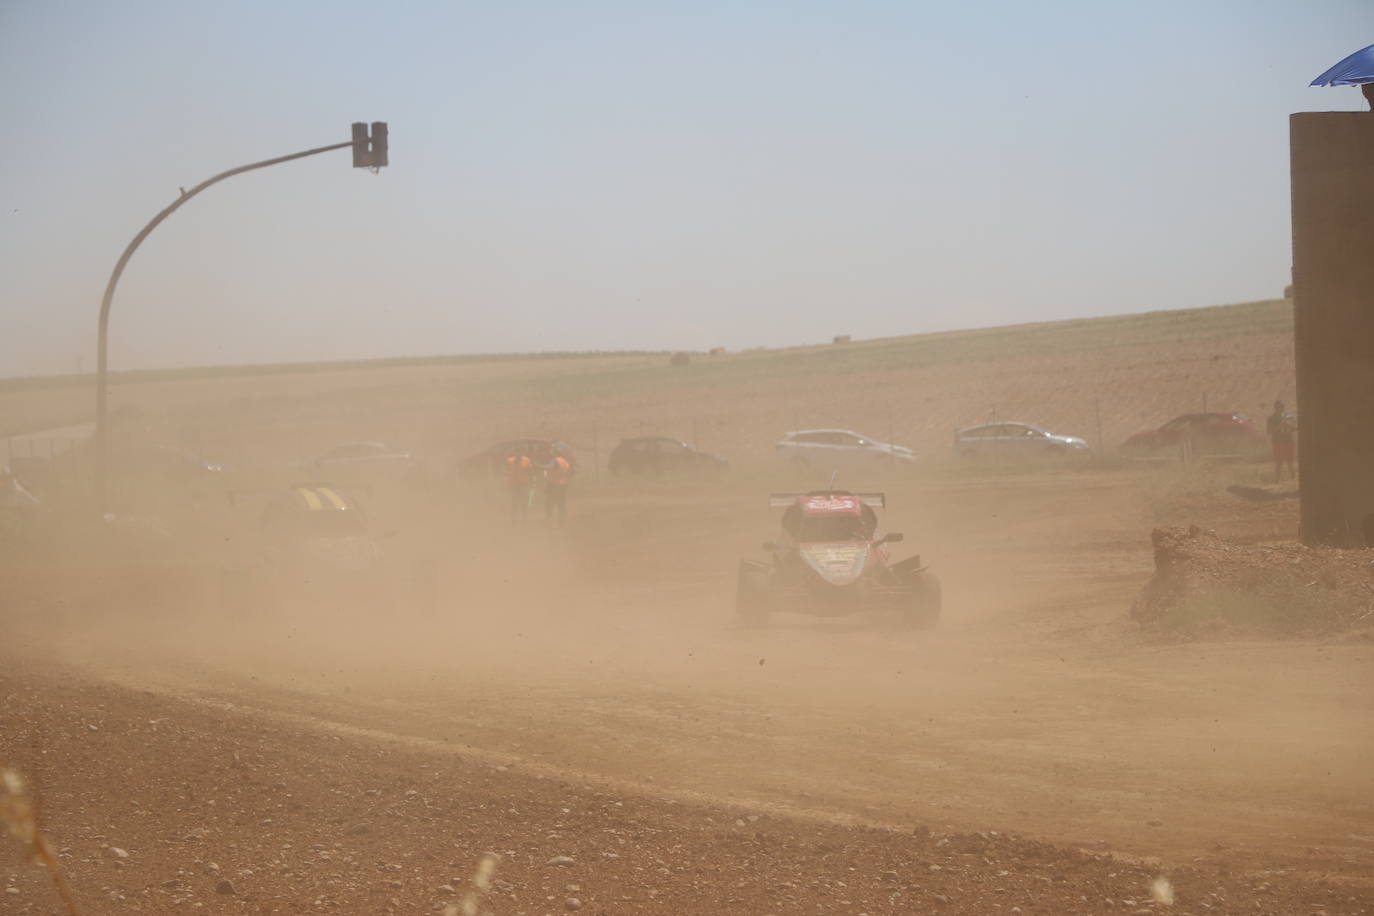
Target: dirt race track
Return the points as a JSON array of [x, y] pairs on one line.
[[582, 704], [838, 765]]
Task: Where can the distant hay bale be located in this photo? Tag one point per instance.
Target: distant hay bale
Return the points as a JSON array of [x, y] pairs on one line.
[[841, 339], [680, 358], [716, 351]]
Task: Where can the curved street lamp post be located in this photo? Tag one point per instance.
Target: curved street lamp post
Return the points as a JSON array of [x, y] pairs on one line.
[[369, 151]]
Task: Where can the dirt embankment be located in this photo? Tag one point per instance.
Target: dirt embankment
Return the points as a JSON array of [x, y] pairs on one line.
[[1204, 584]]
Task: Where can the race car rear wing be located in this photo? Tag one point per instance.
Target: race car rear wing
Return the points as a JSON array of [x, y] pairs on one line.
[[783, 500]]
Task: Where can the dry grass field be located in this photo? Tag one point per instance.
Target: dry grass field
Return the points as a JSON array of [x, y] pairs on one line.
[[1098, 378]]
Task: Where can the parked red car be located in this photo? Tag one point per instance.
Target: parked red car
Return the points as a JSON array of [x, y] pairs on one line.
[[1219, 433]]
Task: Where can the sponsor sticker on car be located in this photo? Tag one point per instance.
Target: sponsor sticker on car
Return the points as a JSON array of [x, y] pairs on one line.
[[818, 505]]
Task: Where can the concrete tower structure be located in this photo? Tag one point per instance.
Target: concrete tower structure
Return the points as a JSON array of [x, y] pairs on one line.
[[1332, 157]]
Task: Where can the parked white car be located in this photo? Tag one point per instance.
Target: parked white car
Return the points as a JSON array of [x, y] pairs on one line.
[[1015, 442], [836, 448]]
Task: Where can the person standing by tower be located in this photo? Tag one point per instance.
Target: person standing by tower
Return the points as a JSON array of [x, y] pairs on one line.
[[1283, 439]]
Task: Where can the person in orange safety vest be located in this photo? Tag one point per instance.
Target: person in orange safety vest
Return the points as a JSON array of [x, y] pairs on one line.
[[557, 473], [520, 481]]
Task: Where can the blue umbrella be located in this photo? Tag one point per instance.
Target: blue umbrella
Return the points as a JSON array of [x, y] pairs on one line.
[[1355, 70]]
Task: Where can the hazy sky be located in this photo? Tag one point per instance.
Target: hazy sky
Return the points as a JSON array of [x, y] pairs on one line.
[[603, 175]]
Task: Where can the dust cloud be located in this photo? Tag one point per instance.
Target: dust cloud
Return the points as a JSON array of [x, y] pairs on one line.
[[609, 647]]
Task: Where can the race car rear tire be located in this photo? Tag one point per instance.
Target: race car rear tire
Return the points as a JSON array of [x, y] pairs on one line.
[[751, 595], [923, 609]]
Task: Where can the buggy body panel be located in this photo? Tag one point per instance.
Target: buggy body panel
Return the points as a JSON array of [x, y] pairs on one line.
[[829, 560]]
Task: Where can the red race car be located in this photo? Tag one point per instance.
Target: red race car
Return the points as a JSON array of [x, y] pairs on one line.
[[1220, 433], [829, 562]]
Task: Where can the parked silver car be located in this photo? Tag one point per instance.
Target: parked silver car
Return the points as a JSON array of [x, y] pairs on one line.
[[835, 448], [1014, 442]]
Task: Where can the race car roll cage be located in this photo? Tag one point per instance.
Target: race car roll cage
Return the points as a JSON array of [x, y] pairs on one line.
[[803, 527]]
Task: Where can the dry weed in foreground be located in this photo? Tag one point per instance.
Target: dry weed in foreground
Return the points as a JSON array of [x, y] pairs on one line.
[[1162, 891], [481, 884], [20, 815]]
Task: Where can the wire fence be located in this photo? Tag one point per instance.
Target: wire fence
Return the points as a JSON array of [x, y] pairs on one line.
[[284, 433], [752, 437]]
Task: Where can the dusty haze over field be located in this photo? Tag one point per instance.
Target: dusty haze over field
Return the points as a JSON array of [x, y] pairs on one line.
[[184, 689], [290, 639], [610, 175]]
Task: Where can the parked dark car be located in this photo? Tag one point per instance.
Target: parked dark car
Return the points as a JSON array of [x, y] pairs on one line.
[[1217, 433], [493, 460], [158, 481], [163, 461], [661, 455]]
